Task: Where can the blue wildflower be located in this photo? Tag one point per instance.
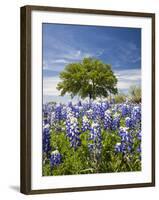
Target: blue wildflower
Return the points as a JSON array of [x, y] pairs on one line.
[[129, 122], [139, 135], [136, 114], [85, 123], [72, 131], [89, 114], [46, 140], [107, 121], [115, 122], [58, 112], [95, 135], [125, 109], [126, 141], [55, 158]]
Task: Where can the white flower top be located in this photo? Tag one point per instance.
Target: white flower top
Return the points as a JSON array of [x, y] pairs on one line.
[[55, 152]]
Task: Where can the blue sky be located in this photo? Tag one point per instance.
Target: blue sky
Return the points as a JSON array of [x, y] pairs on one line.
[[63, 44]]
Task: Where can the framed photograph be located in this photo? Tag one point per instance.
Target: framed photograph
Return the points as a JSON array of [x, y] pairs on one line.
[[87, 99]]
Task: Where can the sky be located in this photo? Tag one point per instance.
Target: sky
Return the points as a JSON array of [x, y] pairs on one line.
[[63, 44]]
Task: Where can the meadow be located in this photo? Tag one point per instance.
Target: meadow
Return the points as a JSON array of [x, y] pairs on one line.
[[88, 137]]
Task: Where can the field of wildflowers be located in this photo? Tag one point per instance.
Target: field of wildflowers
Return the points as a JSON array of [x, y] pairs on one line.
[[91, 137]]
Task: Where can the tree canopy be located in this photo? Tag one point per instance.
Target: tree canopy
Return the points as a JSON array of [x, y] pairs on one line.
[[89, 78]]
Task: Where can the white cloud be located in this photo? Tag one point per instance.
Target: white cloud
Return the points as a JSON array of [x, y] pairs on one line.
[[76, 55], [59, 61], [127, 52], [49, 86], [127, 78]]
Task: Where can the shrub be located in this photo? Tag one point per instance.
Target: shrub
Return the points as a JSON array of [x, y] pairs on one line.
[[135, 94], [120, 98]]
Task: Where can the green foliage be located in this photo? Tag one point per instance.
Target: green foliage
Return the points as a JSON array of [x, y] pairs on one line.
[[120, 98], [90, 78], [135, 94]]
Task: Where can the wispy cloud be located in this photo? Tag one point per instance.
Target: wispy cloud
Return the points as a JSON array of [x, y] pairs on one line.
[[60, 61], [127, 78], [128, 53], [57, 62], [49, 86]]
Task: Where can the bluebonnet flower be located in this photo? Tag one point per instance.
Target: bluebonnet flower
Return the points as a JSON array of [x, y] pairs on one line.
[[125, 109], [46, 140], [103, 107], [46, 121], [85, 123], [79, 103], [81, 111], [46, 114], [95, 133], [129, 122], [120, 147], [76, 111], [115, 122], [107, 121], [96, 110], [58, 112], [91, 147], [126, 141], [70, 105], [99, 108], [63, 113], [55, 158], [139, 149], [86, 105], [72, 131], [136, 114], [139, 135], [89, 114], [124, 134], [95, 136], [48, 109]]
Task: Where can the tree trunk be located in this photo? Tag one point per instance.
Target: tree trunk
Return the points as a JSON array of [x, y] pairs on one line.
[[93, 88], [110, 97], [90, 96]]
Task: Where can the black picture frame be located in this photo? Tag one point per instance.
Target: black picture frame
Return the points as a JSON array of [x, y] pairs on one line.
[[26, 85]]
